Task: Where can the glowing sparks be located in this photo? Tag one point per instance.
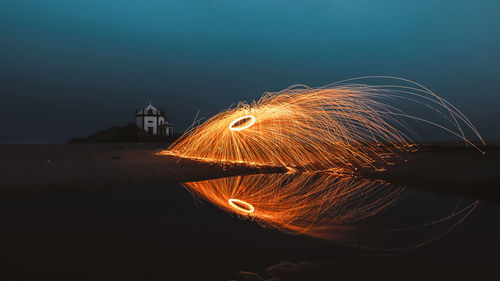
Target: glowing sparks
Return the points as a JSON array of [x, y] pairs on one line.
[[321, 205], [242, 123], [316, 134], [340, 127], [241, 205]]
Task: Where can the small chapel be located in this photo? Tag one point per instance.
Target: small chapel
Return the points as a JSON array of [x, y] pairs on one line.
[[153, 121]]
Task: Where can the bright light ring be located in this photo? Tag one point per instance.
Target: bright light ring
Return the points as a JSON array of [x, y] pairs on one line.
[[241, 205], [252, 121]]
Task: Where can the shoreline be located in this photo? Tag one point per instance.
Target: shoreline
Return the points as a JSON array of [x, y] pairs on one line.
[[85, 167], [33, 168]]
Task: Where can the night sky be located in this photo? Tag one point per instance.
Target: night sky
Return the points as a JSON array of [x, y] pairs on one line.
[[70, 68]]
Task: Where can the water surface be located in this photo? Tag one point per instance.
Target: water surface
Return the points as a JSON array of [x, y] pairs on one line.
[[162, 232]]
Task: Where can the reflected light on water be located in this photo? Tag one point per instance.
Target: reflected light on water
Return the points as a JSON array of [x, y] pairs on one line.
[[331, 207], [321, 205]]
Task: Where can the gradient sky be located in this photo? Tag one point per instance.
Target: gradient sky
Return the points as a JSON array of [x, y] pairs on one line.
[[70, 68]]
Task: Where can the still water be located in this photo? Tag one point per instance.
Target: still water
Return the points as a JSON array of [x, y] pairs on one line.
[[164, 233]]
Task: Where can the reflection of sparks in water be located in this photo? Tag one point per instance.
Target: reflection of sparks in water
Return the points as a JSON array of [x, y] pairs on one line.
[[241, 205], [321, 205], [339, 127]]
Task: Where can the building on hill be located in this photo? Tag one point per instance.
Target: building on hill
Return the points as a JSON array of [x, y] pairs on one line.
[[153, 121]]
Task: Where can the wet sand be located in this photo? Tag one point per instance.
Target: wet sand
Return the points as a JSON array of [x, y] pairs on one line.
[[454, 172], [80, 167], [71, 167], [154, 230]]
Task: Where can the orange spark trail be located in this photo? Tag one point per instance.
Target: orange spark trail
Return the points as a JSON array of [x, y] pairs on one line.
[[326, 206], [321, 205], [341, 127], [317, 134]]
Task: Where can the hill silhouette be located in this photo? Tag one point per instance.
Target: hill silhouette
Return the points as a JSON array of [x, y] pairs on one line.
[[127, 133]]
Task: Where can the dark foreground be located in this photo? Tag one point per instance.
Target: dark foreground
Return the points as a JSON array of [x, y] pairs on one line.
[[162, 233], [122, 215], [454, 172], [72, 167]]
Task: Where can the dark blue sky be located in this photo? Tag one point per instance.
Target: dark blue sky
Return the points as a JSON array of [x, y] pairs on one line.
[[69, 68]]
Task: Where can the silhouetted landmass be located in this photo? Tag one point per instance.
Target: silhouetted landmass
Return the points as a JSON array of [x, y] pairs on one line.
[[124, 134]]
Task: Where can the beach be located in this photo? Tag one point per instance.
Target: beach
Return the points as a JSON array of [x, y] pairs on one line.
[[78, 167], [460, 172], [117, 211]]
